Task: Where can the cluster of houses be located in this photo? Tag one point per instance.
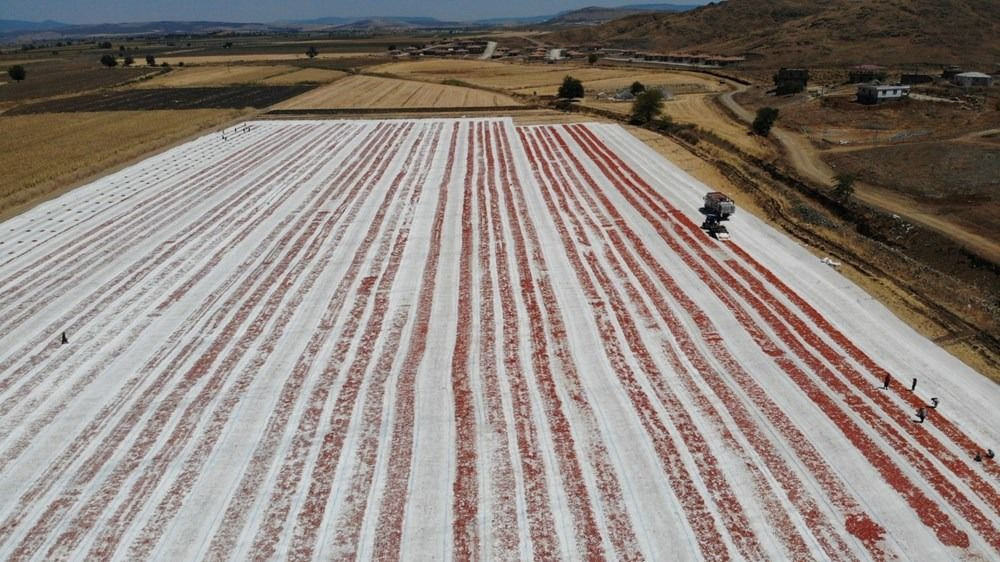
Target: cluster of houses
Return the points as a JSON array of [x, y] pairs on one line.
[[871, 86], [444, 49], [873, 91], [668, 59]]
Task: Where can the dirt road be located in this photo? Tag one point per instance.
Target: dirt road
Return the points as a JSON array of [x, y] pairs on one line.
[[808, 163]]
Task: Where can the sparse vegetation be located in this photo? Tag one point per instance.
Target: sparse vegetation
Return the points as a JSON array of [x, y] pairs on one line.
[[766, 116], [30, 141], [843, 186], [17, 73], [647, 106], [571, 88]]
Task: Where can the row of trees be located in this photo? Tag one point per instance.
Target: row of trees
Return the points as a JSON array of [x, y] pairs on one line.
[[647, 107], [112, 61]]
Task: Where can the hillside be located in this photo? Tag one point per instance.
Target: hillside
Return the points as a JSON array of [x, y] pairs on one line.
[[816, 31], [597, 14]]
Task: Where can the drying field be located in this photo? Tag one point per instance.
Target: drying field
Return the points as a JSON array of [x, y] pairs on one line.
[[224, 97], [460, 338], [376, 92]]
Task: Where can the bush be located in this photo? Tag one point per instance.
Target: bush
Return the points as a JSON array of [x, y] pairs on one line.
[[129, 61], [150, 60], [843, 186], [571, 88], [17, 73], [311, 52], [637, 88], [592, 58], [109, 61], [647, 106], [766, 116]]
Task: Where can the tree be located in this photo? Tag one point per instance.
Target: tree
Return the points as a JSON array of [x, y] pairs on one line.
[[571, 88], [17, 73], [109, 61], [311, 52], [843, 186], [121, 48], [637, 88], [647, 106], [128, 60], [592, 58], [391, 48], [150, 60], [766, 116]]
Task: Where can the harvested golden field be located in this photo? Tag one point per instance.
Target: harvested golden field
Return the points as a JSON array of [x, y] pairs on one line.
[[376, 92], [215, 76], [305, 75], [543, 79], [46, 153], [176, 59]]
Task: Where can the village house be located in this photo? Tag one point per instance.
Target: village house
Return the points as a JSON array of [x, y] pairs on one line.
[[877, 93], [971, 79]]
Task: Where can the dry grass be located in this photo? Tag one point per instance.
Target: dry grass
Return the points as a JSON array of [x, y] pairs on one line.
[[215, 76], [175, 59], [543, 79], [371, 91], [313, 75], [43, 154], [699, 110]]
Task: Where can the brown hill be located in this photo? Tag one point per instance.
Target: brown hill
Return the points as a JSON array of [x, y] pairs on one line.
[[817, 32]]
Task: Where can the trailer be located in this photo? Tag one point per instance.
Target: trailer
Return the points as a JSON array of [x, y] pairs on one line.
[[719, 204], [718, 207]]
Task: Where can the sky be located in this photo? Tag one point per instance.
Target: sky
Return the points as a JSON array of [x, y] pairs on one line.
[[108, 11]]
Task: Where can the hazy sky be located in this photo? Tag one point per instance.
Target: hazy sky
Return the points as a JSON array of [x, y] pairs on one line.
[[75, 11]]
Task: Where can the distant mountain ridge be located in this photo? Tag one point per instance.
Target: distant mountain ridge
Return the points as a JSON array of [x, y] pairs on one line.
[[792, 32], [593, 15], [13, 29], [19, 25]]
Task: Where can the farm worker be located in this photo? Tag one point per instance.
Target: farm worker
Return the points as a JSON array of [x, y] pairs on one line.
[[885, 383], [65, 340], [935, 402], [914, 385], [978, 457], [990, 454], [921, 414]]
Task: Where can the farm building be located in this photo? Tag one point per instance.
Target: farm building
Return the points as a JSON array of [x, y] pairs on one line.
[[791, 80], [878, 93], [969, 79], [951, 72], [914, 78], [866, 73]]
